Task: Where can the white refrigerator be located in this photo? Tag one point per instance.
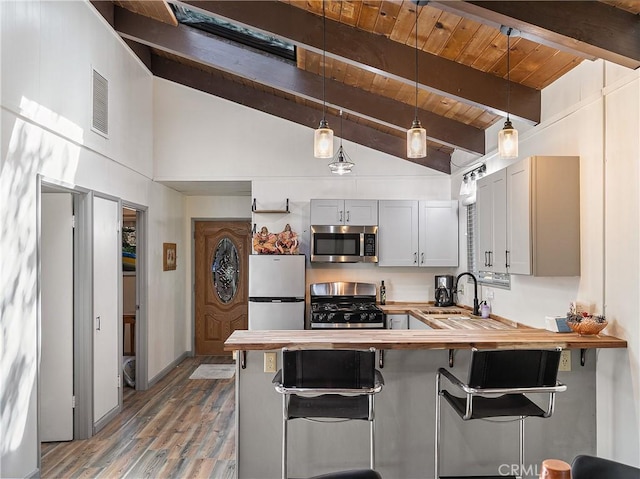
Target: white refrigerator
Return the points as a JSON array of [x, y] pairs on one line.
[[277, 289]]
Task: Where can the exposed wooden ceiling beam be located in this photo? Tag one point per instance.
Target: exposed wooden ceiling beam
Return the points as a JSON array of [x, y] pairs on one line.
[[198, 46], [585, 28], [290, 110], [378, 53]]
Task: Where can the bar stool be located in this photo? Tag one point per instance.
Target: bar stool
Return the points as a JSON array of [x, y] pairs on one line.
[[329, 384], [506, 375]]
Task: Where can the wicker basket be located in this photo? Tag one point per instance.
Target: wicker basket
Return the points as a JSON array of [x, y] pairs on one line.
[[587, 326]]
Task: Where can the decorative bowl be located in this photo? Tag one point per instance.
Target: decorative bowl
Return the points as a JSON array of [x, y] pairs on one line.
[[587, 326]]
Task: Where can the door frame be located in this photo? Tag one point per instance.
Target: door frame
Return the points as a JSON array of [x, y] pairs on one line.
[[141, 327], [193, 271]]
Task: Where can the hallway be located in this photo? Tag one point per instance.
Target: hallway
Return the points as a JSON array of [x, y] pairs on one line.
[[179, 428]]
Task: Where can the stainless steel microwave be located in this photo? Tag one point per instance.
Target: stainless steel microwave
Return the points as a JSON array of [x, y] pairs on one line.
[[344, 244]]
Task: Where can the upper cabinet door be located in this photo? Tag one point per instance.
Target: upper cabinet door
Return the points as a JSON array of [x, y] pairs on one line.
[[398, 233], [361, 212], [519, 218], [492, 220], [438, 233], [344, 212], [327, 212]]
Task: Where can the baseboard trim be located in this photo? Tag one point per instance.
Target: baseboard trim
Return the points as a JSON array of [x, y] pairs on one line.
[[166, 370], [34, 475]]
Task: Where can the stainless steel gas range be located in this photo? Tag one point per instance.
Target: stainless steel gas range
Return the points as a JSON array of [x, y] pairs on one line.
[[343, 305]]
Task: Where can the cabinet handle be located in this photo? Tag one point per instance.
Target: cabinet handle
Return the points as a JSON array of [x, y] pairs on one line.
[[98, 328], [486, 261], [506, 259], [415, 258], [421, 258], [341, 220], [348, 216], [490, 260]]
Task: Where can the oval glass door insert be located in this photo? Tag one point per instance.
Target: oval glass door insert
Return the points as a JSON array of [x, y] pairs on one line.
[[225, 270]]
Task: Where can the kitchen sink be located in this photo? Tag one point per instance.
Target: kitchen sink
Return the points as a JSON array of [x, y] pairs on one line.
[[446, 312]]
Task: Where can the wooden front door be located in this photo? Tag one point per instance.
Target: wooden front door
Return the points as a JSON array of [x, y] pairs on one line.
[[222, 251]]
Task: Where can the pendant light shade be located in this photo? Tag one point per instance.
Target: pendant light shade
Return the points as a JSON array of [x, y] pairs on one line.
[[323, 136], [508, 141], [341, 165], [323, 141], [508, 136], [416, 135], [416, 140]]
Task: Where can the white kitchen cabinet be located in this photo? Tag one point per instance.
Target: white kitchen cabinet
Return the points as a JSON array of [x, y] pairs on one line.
[[540, 213], [417, 324], [397, 321], [398, 233], [438, 233], [491, 207], [344, 212], [418, 233]]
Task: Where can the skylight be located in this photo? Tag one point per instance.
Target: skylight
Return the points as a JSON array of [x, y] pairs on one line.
[[240, 34]]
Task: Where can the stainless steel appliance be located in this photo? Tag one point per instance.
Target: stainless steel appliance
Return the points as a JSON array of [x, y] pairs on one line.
[[276, 291], [444, 290], [344, 244], [344, 305]]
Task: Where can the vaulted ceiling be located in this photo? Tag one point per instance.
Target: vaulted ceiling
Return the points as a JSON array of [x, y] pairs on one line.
[[369, 47]]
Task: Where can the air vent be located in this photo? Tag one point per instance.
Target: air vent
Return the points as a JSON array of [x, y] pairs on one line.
[[100, 120]]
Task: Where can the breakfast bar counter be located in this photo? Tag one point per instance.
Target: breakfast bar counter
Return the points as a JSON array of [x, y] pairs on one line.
[[405, 408], [480, 338]]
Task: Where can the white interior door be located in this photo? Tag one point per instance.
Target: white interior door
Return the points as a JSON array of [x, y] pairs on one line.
[[56, 359], [106, 248]]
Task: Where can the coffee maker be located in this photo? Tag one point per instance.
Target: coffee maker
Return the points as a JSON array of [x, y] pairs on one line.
[[444, 290]]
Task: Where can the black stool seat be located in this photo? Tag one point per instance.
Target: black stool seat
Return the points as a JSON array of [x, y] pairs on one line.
[[591, 467], [502, 406], [355, 474]]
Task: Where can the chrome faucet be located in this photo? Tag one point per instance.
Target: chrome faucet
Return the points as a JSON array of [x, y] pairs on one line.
[[476, 306]]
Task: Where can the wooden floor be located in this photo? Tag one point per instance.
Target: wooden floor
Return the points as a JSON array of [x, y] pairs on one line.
[[179, 428]]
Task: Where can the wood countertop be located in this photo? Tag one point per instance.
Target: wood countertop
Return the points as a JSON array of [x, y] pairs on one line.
[[243, 340], [453, 317]]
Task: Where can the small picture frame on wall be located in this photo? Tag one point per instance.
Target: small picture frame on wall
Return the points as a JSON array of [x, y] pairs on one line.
[[168, 256]]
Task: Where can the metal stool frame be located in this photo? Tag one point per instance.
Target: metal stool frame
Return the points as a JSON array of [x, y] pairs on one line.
[[318, 392], [472, 392]]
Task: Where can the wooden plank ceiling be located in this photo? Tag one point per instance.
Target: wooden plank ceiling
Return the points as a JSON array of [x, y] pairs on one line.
[[369, 51]]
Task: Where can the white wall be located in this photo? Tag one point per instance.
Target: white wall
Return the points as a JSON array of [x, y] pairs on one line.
[[593, 111], [48, 51]]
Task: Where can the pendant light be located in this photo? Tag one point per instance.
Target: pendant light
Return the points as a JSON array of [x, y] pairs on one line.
[[341, 164], [416, 135], [323, 136], [508, 136]]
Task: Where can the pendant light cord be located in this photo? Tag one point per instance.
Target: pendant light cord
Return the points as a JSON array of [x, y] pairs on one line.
[[324, 61], [416, 49], [508, 72]]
